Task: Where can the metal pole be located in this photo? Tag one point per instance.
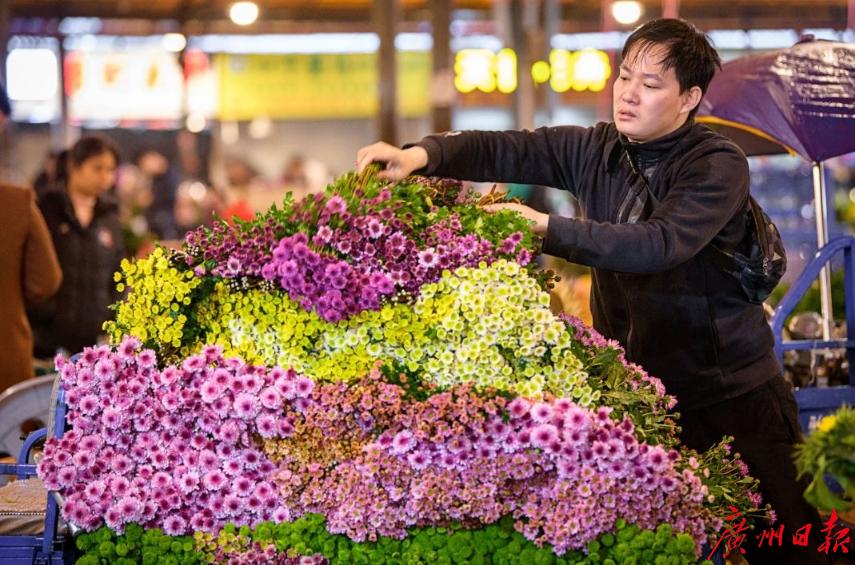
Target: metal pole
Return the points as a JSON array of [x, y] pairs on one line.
[[524, 103], [6, 149], [670, 8], [604, 98], [820, 206], [386, 16], [60, 132], [5, 22], [552, 26], [442, 87]]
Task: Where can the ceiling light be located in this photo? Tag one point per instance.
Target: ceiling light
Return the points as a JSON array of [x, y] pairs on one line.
[[243, 13], [196, 123], [174, 42], [626, 11]]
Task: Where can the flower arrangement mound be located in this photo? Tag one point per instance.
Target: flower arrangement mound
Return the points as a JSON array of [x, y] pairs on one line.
[[368, 374]]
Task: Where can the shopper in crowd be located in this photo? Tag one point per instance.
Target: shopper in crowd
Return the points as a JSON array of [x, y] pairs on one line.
[[29, 272], [243, 181], [84, 223], [654, 290], [161, 181]]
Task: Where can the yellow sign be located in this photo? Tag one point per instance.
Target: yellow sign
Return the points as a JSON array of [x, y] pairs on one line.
[[325, 85], [475, 68], [588, 69], [481, 69]]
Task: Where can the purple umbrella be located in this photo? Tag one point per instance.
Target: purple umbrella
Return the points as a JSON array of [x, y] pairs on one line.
[[799, 100]]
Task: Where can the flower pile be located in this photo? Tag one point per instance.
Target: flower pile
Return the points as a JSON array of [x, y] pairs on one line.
[[374, 364]]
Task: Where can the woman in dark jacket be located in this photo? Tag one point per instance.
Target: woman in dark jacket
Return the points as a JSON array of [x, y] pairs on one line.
[[84, 223]]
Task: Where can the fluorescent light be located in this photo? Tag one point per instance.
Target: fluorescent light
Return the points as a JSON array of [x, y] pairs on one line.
[[825, 33], [414, 42], [489, 42], [729, 39], [288, 43], [605, 41], [32, 74], [772, 38]]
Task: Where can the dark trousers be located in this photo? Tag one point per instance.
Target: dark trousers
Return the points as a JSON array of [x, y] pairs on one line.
[[765, 426]]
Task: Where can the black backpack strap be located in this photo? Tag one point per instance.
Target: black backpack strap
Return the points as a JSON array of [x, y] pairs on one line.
[[723, 258]]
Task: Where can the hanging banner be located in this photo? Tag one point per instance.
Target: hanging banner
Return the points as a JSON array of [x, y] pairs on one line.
[[134, 85], [324, 85]]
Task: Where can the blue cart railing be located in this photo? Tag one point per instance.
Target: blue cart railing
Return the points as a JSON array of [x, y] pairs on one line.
[[818, 401], [52, 546]]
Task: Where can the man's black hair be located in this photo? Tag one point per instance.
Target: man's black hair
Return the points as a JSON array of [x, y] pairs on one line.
[[5, 105], [687, 50]]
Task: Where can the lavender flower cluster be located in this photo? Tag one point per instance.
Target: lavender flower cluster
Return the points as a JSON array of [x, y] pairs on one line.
[[216, 441], [172, 449], [566, 474], [350, 263]]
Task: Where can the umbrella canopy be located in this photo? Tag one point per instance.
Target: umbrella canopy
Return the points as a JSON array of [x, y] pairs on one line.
[[799, 100]]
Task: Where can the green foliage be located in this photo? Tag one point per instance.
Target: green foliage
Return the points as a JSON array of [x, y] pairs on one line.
[[497, 544], [810, 301], [105, 547], [830, 449]]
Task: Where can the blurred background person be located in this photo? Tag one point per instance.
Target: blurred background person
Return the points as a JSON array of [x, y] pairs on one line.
[[303, 176], [242, 181], [294, 176], [133, 196], [161, 181], [29, 272], [46, 177], [195, 205], [84, 223]]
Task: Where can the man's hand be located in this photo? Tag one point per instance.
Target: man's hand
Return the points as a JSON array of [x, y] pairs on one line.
[[399, 162], [541, 220]]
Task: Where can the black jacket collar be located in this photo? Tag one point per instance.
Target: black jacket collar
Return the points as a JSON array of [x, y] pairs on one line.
[[659, 146]]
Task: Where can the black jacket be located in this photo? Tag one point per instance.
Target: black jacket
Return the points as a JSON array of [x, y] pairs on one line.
[[89, 256], [653, 288]]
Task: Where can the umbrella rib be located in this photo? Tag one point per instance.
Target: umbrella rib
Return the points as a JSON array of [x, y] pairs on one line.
[[750, 129]]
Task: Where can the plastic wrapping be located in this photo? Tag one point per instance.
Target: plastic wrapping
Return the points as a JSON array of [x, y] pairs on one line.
[[800, 99]]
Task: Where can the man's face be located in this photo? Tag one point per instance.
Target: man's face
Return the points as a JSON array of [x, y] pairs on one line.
[[647, 103]]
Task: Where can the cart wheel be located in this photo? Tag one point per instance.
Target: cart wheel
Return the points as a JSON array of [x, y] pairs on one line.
[[24, 407]]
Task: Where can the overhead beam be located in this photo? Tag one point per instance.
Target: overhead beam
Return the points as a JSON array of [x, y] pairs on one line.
[[576, 15]]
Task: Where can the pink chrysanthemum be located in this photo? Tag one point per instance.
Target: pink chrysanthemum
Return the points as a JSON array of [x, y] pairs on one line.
[[542, 413], [403, 442], [246, 406], [174, 526], [519, 407], [543, 434]]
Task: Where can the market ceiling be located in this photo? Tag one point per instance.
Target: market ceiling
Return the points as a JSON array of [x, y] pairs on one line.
[[284, 15]]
